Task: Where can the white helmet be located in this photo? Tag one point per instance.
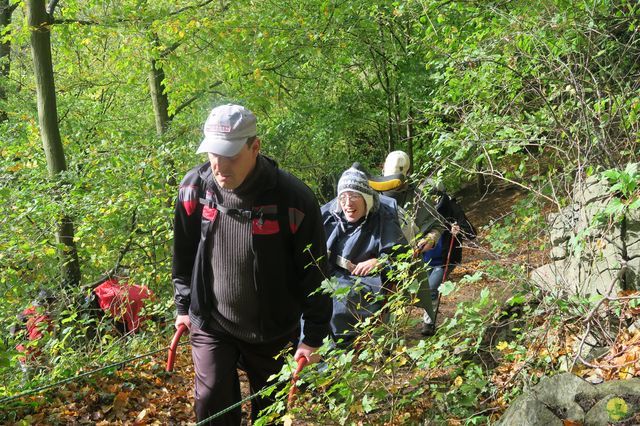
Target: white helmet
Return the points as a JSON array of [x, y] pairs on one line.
[[396, 162]]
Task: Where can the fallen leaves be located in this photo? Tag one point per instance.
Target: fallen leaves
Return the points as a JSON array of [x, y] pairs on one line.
[[141, 416], [120, 403], [623, 359], [138, 394]]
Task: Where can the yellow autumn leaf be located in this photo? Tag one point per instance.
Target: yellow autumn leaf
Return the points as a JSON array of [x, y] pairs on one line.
[[458, 381], [625, 373], [501, 346], [287, 420], [617, 408], [141, 415]]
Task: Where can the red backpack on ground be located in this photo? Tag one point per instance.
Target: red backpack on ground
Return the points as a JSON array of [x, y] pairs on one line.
[[123, 301], [36, 322]]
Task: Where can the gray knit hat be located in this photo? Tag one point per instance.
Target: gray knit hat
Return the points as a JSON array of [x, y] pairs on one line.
[[357, 181]]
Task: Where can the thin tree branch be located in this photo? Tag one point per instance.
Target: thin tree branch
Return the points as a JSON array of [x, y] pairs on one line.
[[51, 8], [195, 97]]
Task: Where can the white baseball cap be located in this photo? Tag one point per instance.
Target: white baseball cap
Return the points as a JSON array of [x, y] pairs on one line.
[[227, 129], [395, 163]]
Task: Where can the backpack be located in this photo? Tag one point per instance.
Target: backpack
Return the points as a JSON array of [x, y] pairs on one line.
[[123, 302], [452, 211]]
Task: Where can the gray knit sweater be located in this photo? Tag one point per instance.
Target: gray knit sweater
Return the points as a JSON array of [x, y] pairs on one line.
[[232, 262]]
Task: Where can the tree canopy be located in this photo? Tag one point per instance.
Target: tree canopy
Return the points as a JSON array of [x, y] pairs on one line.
[[539, 94]]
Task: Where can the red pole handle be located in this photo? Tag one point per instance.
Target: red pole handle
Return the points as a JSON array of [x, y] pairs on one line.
[[446, 266], [174, 344], [302, 361]]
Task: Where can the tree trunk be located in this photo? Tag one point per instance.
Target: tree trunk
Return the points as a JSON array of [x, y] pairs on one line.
[[397, 127], [481, 181], [38, 21], [159, 97], [6, 10], [410, 134], [160, 101]]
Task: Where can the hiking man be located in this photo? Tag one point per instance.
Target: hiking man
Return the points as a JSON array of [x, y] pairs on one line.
[[249, 249]]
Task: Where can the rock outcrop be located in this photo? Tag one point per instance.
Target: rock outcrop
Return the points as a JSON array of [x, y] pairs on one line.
[[565, 397], [592, 250]]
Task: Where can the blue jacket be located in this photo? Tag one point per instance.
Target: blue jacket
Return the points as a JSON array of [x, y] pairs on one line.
[[370, 238]]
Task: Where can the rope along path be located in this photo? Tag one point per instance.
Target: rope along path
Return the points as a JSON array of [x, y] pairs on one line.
[[239, 403], [79, 376]]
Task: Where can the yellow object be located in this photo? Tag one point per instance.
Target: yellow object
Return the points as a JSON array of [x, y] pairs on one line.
[[386, 183], [385, 186], [617, 408]]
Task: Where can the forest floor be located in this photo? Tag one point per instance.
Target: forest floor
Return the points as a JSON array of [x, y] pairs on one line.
[[143, 393]]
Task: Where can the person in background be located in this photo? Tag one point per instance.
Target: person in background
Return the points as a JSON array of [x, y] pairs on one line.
[[34, 322], [447, 253], [421, 223], [361, 233], [249, 254]]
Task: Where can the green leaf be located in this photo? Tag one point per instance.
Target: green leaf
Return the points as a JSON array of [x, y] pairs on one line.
[[477, 276], [617, 408], [368, 403], [517, 300], [447, 288]]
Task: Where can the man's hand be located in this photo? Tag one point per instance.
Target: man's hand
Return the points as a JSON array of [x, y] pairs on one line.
[[455, 229], [307, 352], [183, 319], [365, 268]]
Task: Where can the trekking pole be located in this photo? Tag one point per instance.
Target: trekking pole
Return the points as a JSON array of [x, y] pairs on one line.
[[444, 278], [174, 344], [446, 266], [302, 361]]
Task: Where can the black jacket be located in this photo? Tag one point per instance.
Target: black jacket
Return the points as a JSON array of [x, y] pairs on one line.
[[452, 212], [289, 246]]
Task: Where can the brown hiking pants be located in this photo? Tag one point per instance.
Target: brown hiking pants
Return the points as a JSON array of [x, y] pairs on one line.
[[216, 358]]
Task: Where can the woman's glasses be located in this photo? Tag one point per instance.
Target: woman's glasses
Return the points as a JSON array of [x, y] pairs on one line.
[[352, 196]]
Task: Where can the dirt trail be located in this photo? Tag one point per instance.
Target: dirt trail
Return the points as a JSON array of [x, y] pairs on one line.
[[482, 209]]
